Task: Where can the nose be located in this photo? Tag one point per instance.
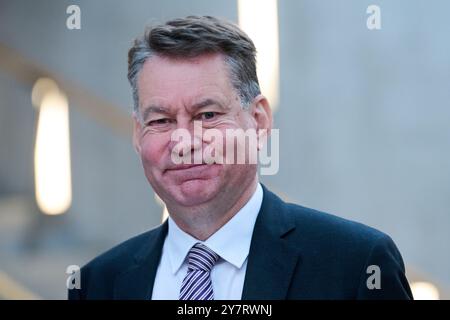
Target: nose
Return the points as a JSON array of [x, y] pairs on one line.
[[186, 143]]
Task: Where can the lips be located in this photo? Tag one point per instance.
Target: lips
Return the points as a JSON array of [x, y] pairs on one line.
[[185, 172], [185, 166]]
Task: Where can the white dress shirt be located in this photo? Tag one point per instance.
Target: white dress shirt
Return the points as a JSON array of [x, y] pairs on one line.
[[231, 242]]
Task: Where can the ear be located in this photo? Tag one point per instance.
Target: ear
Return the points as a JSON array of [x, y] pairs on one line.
[[137, 128], [262, 113]]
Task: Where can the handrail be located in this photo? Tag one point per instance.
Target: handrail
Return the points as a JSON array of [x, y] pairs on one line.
[[11, 290], [104, 112]]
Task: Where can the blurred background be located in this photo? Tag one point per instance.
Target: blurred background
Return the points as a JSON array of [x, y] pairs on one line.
[[364, 119]]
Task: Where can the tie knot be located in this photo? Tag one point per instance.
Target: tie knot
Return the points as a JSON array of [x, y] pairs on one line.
[[201, 257]]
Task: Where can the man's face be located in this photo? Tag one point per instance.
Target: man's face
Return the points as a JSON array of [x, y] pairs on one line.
[[173, 93]]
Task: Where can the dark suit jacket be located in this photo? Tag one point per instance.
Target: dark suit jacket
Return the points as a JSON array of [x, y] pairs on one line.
[[295, 253]]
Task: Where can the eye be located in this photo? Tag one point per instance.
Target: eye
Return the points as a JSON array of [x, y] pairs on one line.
[[156, 122], [208, 115]]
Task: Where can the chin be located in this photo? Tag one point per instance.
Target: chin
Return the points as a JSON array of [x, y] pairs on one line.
[[195, 192]]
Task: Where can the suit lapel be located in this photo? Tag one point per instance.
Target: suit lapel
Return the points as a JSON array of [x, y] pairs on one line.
[[272, 259], [137, 281]]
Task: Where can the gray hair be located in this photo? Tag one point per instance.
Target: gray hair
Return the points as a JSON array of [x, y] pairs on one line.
[[191, 37]]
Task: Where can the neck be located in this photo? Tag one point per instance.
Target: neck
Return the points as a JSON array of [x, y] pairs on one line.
[[202, 222]]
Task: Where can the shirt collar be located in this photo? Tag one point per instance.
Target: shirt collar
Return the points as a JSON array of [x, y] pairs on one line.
[[231, 242]]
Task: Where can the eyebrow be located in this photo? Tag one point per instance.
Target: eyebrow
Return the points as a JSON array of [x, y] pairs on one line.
[[154, 109], [206, 103], [162, 110]]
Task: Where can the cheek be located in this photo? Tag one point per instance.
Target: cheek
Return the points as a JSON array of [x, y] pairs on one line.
[[153, 151], [237, 174]]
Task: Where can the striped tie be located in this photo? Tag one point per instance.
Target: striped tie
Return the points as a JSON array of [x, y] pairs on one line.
[[197, 283]]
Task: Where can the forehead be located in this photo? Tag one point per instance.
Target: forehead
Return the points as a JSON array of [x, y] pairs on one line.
[[173, 81]]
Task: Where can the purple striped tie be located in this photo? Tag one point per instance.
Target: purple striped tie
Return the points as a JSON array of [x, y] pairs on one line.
[[197, 283]]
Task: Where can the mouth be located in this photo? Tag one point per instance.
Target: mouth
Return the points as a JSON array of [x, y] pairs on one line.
[[185, 167], [186, 172]]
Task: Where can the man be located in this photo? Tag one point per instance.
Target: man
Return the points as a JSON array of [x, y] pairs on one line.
[[227, 237]]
